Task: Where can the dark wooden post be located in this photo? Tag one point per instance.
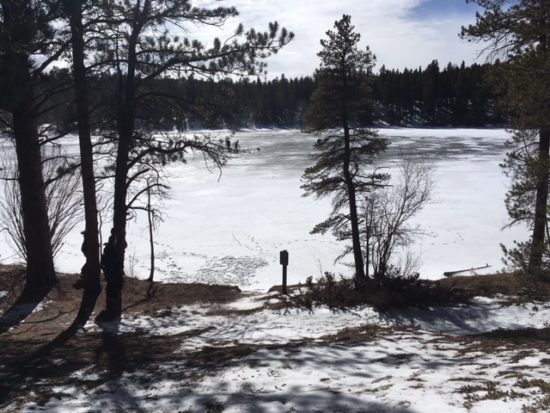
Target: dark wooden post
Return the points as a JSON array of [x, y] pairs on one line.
[[283, 259]]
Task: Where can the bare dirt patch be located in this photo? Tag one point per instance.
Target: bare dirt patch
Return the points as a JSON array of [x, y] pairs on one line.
[[12, 279], [24, 365]]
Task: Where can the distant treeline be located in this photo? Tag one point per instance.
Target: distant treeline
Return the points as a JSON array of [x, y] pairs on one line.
[[455, 96]]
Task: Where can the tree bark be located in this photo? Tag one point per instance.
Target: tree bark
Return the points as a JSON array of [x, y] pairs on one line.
[[350, 185], [354, 220], [151, 240], [116, 282], [126, 128], [541, 204], [367, 240], [92, 270], [40, 267]]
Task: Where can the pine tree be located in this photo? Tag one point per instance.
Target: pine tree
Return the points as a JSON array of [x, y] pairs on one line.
[[344, 149], [520, 34], [26, 30], [91, 271], [136, 45]]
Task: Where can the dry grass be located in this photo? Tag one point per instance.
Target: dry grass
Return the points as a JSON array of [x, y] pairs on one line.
[[489, 390], [541, 388], [341, 293], [356, 335], [12, 279], [508, 284]]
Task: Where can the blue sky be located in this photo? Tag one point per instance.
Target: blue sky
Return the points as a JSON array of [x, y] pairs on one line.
[[402, 33]]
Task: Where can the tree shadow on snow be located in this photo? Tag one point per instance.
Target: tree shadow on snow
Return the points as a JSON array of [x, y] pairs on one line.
[[459, 320], [111, 354], [293, 399], [87, 305], [27, 302]]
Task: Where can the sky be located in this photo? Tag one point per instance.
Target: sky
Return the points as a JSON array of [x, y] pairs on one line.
[[401, 33]]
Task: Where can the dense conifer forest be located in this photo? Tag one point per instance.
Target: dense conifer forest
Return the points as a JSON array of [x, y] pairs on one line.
[[453, 96]]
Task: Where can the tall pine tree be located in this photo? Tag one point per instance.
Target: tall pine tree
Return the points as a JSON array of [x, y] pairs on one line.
[[25, 32], [519, 33], [137, 47], [344, 149]]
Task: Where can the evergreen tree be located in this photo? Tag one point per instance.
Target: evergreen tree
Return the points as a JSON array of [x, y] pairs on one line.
[[519, 32], [26, 31], [136, 45], [73, 13], [464, 99], [344, 149]]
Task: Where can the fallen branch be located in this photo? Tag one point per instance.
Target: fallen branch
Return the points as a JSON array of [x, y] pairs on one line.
[[451, 273]]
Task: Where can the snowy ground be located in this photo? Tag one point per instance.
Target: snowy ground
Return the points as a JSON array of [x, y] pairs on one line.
[[245, 357], [231, 231], [292, 361]]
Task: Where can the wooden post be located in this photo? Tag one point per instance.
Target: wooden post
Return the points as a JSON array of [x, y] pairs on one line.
[[283, 259]]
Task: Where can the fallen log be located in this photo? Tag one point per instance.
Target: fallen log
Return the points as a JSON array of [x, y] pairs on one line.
[[451, 273]]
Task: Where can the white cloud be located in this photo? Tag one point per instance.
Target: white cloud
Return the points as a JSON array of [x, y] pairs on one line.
[[388, 26]]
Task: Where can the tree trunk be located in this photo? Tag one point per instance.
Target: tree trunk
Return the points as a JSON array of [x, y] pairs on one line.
[[151, 240], [40, 267], [115, 284], [539, 228], [126, 128], [92, 272], [354, 220], [367, 241], [126, 118]]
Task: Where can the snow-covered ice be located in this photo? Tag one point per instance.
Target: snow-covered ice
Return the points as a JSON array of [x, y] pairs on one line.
[[231, 230]]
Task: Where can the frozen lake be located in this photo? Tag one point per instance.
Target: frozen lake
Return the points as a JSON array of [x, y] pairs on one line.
[[231, 230]]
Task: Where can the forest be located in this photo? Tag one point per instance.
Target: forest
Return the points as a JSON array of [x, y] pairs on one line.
[[453, 96]]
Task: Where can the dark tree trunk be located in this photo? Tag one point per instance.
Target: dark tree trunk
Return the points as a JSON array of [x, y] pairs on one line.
[[40, 267], [126, 118], [116, 282], [126, 128], [18, 22], [151, 240], [350, 185], [367, 241], [354, 220], [92, 271], [539, 228]]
